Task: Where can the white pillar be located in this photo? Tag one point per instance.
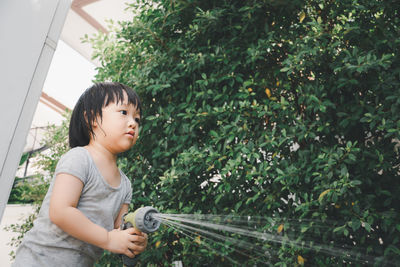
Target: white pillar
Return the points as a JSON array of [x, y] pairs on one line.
[[29, 32]]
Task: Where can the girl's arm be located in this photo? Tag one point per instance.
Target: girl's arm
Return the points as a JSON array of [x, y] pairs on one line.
[[63, 212], [124, 209]]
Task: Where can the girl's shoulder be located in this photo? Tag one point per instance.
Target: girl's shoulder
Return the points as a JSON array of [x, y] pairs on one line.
[[76, 162], [123, 175], [125, 178], [78, 152]]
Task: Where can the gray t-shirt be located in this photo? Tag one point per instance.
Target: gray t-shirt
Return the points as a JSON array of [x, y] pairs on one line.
[[46, 244]]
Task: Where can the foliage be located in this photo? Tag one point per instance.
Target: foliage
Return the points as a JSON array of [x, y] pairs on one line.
[[276, 99], [19, 192], [34, 190], [56, 139], [21, 187]]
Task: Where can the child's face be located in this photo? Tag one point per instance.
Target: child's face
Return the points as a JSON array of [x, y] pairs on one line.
[[119, 128]]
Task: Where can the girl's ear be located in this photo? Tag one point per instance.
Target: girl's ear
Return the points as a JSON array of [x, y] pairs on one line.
[[94, 122]]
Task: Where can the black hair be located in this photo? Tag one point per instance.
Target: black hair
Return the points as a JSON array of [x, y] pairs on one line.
[[90, 105]]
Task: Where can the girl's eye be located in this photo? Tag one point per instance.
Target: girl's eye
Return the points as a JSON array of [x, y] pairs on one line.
[[124, 112], [137, 120]]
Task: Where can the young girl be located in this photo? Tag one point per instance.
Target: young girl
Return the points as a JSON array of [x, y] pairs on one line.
[[81, 213]]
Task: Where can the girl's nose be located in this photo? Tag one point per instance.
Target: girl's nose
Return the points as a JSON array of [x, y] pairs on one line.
[[132, 123]]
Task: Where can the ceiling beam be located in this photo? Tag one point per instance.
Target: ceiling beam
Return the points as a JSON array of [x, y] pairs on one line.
[[77, 6]]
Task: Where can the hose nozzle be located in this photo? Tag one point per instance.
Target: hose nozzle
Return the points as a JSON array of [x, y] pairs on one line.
[[142, 219]]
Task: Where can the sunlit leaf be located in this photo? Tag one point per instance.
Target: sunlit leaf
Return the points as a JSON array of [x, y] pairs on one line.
[[300, 260], [321, 196], [197, 240], [280, 228], [268, 92], [302, 16]]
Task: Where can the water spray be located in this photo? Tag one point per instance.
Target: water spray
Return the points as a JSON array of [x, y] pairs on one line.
[[148, 220], [143, 220]]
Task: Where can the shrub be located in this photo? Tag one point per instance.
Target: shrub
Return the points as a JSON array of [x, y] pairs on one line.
[[277, 99]]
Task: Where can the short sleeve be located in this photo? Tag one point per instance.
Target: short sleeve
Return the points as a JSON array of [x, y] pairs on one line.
[[128, 195], [75, 162]]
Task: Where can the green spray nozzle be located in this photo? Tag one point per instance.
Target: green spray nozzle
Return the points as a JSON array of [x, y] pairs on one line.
[[142, 219]]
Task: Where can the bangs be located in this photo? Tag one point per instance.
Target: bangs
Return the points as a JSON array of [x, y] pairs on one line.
[[117, 95]]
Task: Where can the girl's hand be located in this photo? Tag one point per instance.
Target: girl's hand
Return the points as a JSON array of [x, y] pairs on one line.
[[127, 242], [141, 243]]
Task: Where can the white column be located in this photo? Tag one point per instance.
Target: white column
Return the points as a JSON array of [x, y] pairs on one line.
[[29, 32]]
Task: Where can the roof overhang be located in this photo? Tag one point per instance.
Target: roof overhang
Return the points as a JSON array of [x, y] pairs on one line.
[[89, 17]]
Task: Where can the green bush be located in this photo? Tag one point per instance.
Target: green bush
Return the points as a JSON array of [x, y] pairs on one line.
[[22, 186], [18, 194], [278, 98]]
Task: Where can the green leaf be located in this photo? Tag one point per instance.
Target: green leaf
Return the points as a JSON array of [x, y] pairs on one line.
[[213, 133], [285, 69], [346, 232], [367, 226], [355, 182], [279, 171], [24, 158], [339, 229], [355, 224]]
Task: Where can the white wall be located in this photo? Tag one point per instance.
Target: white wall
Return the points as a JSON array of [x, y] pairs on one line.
[[29, 32]]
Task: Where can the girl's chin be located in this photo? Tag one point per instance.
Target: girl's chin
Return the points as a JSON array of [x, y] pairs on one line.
[[124, 147]]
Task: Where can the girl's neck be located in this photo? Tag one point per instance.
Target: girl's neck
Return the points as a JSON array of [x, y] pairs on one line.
[[101, 151]]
